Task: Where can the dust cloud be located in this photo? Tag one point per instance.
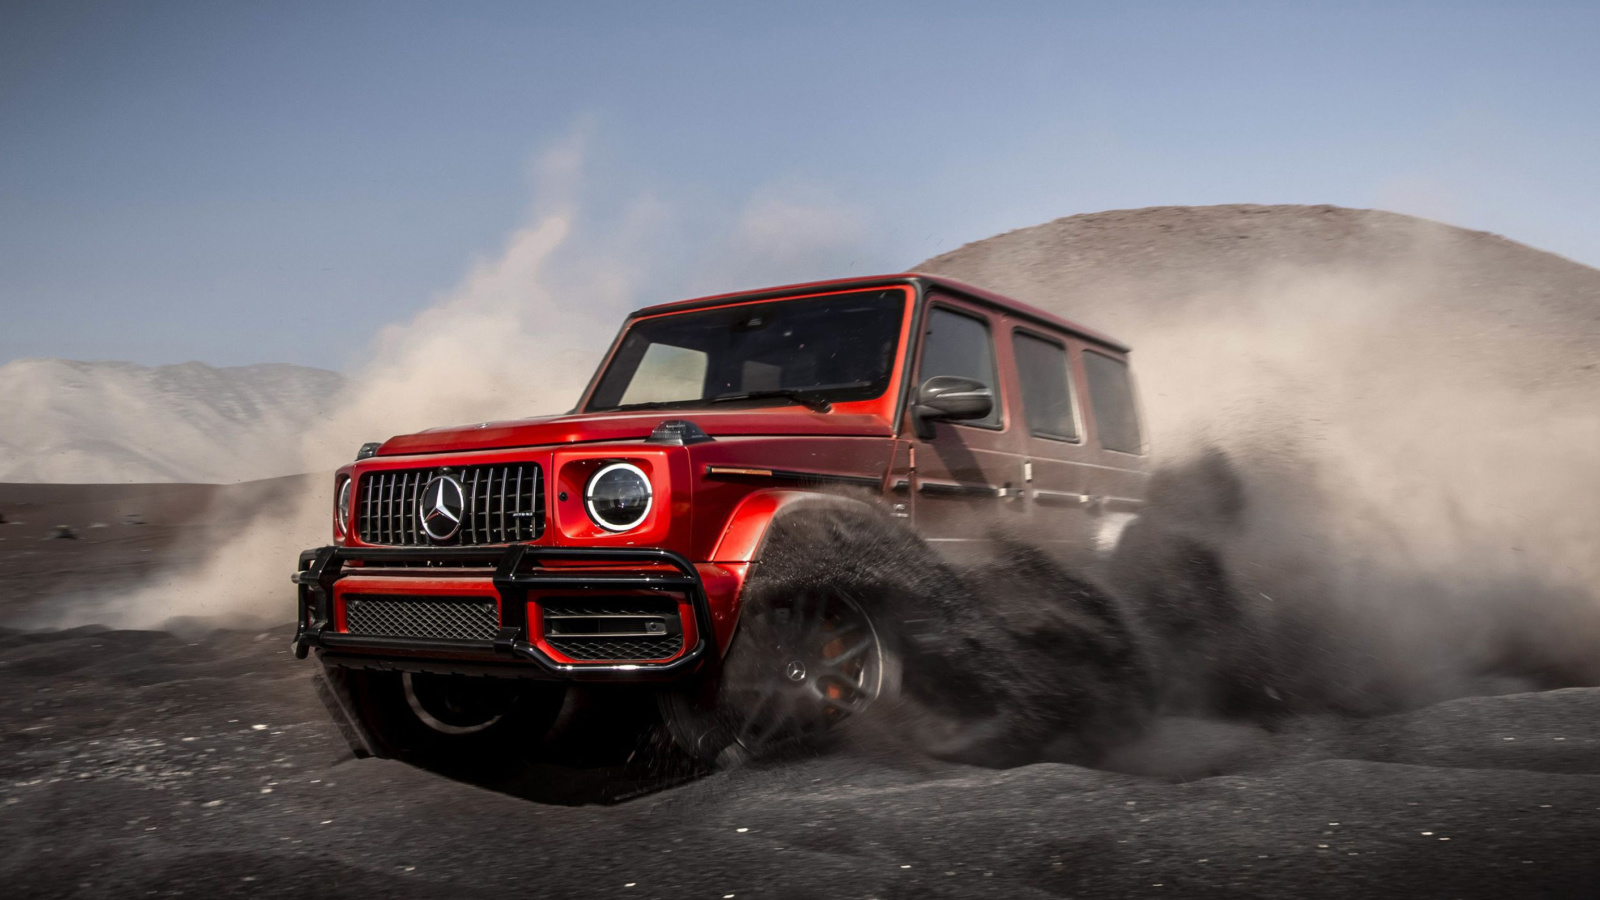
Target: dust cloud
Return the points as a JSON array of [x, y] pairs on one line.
[[497, 347], [1376, 439], [1392, 498], [500, 345], [518, 337]]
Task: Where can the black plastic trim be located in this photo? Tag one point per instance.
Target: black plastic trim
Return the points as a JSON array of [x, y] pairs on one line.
[[678, 432], [832, 287]]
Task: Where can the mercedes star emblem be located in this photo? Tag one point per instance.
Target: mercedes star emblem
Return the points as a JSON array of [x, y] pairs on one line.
[[440, 508]]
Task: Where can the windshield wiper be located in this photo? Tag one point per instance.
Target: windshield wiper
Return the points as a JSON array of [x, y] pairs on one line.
[[804, 398], [652, 404]]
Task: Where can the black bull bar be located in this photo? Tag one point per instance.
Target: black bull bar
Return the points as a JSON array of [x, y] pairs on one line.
[[518, 568]]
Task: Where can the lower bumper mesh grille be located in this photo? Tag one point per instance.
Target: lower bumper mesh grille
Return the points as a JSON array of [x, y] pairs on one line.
[[465, 619], [625, 629], [633, 649]]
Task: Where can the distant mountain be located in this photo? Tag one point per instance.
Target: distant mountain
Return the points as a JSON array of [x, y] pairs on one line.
[[99, 422]]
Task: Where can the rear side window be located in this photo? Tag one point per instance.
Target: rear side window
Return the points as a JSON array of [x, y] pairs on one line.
[[1046, 387], [1111, 395], [959, 344]]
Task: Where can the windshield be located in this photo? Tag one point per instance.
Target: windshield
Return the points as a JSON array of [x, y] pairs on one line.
[[835, 348]]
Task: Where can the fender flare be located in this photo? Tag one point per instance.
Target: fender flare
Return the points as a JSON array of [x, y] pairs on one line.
[[745, 535], [739, 548]]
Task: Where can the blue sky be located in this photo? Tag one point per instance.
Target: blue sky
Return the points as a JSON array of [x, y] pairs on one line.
[[273, 182]]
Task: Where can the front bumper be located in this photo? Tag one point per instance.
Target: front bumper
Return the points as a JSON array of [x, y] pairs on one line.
[[519, 570]]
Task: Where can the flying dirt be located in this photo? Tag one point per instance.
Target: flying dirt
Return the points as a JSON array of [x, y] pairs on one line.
[[1380, 429]]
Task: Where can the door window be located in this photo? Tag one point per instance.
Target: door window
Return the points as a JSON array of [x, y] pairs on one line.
[[959, 344], [1045, 375], [1111, 394]]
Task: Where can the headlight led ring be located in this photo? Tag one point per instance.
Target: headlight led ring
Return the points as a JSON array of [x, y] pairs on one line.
[[618, 497], [341, 508]]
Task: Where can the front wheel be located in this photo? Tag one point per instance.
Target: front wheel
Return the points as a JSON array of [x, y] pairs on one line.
[[452, 721], [457, 707], [803, 667]]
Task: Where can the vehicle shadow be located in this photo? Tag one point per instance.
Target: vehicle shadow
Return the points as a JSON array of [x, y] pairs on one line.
[[608, 746]]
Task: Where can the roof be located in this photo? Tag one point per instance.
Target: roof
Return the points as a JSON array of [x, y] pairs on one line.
[[966, 291]]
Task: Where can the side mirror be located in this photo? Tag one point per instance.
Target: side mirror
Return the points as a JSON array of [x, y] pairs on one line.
[[949, 398]]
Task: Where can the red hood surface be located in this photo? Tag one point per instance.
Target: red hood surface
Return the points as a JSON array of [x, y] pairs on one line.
[[593, 427]]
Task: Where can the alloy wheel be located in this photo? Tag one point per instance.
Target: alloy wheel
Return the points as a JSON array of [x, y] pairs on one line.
[[451, 705], [816, 660]]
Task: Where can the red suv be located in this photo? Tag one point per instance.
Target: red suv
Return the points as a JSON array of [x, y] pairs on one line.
[[477, 572]]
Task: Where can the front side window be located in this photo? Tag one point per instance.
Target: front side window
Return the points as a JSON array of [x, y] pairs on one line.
[[1111, 394], [836, 348], [1045, 375], [959, 344]]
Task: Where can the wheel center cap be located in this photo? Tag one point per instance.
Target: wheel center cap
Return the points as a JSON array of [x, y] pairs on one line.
[[796, 671]]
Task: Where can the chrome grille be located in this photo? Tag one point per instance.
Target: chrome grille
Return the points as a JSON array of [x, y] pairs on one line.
[[465, 619], [504, 504]]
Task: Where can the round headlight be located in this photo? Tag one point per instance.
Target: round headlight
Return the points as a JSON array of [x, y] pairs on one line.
[[617, 497], [342, 508]]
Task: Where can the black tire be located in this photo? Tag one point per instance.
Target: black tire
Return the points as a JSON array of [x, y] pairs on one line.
[[830, 579], [804, 667], [452, 722]]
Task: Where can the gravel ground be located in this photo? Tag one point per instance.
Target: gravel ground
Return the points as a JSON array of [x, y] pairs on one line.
[[141, 763], [123, 535]]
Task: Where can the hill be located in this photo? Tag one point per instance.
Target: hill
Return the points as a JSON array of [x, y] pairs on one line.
[[65, 421]]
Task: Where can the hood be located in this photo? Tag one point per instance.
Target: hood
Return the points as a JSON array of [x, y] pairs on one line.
[[594, 427]]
